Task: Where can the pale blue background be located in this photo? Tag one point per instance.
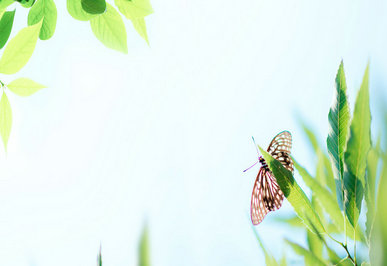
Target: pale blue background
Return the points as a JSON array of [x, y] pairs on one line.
[[163, 134]]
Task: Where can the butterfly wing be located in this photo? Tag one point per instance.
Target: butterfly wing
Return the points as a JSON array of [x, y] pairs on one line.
[[280, 148], [266, 196]]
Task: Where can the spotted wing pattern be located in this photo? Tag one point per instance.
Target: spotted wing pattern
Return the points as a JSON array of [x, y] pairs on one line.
[[267, 195], [280, 148]]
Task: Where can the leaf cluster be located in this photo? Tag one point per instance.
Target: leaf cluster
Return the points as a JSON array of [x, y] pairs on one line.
[[105, 21], [346, 178]]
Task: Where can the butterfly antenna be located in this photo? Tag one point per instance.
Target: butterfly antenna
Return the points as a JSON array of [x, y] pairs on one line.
[[256, 146], [250, 166]]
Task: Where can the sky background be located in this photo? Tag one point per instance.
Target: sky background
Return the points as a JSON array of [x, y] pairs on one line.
[[161, 135]]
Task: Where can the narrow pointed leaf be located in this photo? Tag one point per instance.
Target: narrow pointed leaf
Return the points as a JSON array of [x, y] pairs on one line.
[[24, 86], [308, 255], [372, 167], [269, 259], [315, 243], [294, 221], [46, 10], [6, 23], [99, 258], [140, 27], [134, 9], [5, 119], [355, 156], [326, 199], [74, 7], [339, 117], [328, 202], [294, 194], [19, 49], [110, 29], [143, 251]]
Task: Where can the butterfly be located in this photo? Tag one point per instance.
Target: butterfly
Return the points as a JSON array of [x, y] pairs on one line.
[[267, 195]]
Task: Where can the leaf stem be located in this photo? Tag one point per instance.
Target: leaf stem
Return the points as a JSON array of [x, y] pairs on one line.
[[346, 249]]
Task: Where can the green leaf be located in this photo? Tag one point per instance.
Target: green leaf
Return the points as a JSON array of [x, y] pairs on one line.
[[94, 6], [99, 258], [339, 117], [26, 3], [6, 23], [74, 7], [355, 157], [24, 86], [323, 196], [110, 29], [5, 3], [269, 259], [140, 27], [314, 241], [19, 50], [283, 261], [144, 255], [372, 168], [308, 255], [46, 10], [134, 9], [328, 202], [294, 194], [294, 221], [5, 119], [378, 241]]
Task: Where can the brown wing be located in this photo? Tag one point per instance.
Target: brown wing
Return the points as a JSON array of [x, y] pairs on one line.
[[280, 148], [266, 196]]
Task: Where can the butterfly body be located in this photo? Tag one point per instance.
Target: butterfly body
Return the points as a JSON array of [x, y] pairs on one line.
[[267, 195]]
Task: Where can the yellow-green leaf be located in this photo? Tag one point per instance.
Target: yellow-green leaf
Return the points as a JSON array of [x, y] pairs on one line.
[[143, 249], [134, 9], [140, 26], [74, 7], [355, 156], [110, 29], [46, 10], [24, 86], [5, 119], [19, 50], [294, 194]]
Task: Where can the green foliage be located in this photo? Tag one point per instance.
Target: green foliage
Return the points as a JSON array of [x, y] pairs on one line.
[[339, 117], [354, 165], [5, 119], [99, 258], [136, 11], [74, 7], [355, 157], [46, 10], [294, 194], [110, 29], [19, 50], [6, 23], [143, 249], [24, 86], [106, 24], [94, 6], [309, 256]]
